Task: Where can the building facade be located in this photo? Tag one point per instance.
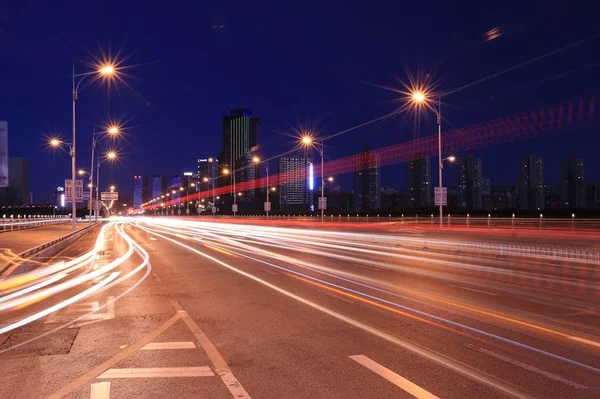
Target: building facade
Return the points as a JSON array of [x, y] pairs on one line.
[[418, 184], [159, 185], [530, 183], [18, 179], [572, 183], [468, 188], [295, 185], [3, 154], [140, 191], [367, 182], [593, 196]]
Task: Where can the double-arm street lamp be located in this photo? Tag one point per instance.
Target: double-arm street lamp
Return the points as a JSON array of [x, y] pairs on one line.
[[111, 131], [256, 160], [109, 156]]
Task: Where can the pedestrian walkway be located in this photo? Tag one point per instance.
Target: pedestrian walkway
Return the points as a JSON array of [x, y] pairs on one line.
[[22, 240]]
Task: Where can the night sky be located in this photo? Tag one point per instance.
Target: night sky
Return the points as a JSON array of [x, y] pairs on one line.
[[292, 63]]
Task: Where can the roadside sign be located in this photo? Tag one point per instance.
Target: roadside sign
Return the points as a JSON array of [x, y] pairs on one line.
[[69, 190], [234, 208], [441, 196], [109, 196], [267, 206], [322, 202]]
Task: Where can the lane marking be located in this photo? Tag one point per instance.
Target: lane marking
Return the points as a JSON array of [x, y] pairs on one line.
[[114, 360], [221, 367], [153, 239], [169, 345], [158, 372], [530, 368], [156, 277], [394, 378], [100, 390], [221, 250], [473, 289]]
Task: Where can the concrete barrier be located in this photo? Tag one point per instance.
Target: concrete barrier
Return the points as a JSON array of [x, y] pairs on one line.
[[44, 251]]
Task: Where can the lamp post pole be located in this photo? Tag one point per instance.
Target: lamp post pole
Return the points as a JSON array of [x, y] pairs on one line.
[[73, 178], [440, 165], [322, 186], [97, 187]]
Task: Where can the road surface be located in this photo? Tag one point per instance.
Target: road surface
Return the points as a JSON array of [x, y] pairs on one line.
[[199, 309]]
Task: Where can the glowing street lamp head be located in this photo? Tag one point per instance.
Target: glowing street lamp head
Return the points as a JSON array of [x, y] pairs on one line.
[[192, 184], [307, 140], [330, 179], [89, 185], [273, 188], [226, 172], [106, 70], [113, 130], [55, 142], [111, 155], [112, 187], [451, 158], [173, 191], [205, 180], [81, 172], [162, 196], [180, 188], [418, 96]]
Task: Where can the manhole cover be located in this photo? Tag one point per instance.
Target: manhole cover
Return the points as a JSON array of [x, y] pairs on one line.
[[58, 343]]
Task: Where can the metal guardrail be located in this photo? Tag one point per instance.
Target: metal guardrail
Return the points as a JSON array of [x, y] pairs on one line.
[[21, 223], [32, 251]]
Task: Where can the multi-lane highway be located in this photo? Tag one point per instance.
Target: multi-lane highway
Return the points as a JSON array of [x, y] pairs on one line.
[[186, 308]]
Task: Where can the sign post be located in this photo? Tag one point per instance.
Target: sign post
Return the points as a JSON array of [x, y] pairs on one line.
[[441, 196], [69, 190], [322, 202]]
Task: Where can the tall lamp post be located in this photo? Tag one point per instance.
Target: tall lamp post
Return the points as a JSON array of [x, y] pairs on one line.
[[308, 141], [110, 156], [112, 131], [258, 162], [105, 71], [227, 172]]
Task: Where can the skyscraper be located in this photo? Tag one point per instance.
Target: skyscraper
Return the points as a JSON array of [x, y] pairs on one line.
[[367, 182], [174, 185], [418, 189], [593, 196], [530, 185], [159, 185], [295, 184], [209, 168], [468, 191], [486, 194], [140, 191], [572, 183], [3, 154], [18, 178]]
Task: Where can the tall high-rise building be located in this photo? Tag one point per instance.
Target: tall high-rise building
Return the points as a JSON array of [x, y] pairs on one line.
[[486, 194], [552, 196], [503, 197], [295, 184], [240, 142], [572, 183], [418, 190], [18, 178], [174, 184], [3, 154], [367, 182], [159, 185], [593, 196], [140, 191], [209, 168], [530, 184], [468, 190]]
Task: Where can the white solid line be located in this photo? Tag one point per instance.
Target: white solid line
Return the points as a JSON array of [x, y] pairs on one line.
[[100, 390], [394, 378], [169, 345], [473, 289], [159, 372], [153, 239], [530, 368]]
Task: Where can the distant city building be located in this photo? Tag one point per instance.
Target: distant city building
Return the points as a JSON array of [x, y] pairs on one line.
[[3, 154], [468, 191], [390, 199], [486, 194], [295, 184], [240, 141], [572, 183], [159, 185], [593, 196], [530, 184], [551, 196], [140, 191], [418, 187], [209, 168], [367, 182], [174, 185], [18, 179], [503, 197]]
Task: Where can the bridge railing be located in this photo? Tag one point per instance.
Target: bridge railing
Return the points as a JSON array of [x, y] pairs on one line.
[[21, 222]]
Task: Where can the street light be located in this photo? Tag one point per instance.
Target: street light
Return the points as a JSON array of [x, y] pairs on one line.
[[419, 98], [106, 71], [111, 130], [81, 172], [330, 179], [258, 162], [307, 141], [110, 156]]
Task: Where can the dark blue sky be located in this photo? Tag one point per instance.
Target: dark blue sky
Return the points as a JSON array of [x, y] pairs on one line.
[[290, 62]]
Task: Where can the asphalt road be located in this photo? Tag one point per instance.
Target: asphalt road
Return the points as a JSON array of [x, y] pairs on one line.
[[245, 310]]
